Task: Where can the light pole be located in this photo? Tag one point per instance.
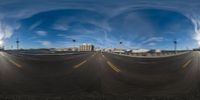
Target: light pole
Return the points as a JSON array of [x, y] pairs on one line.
[[120, 44], [74, 43], [11, 46], [17, 43], [175, 46]]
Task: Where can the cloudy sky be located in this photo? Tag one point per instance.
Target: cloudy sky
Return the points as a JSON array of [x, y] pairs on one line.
[[136, 23]]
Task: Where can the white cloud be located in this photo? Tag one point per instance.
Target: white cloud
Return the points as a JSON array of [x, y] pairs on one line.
[[5, 31], [60, 27], [26, 9], [45, 43], [153, 39], [151, 44], [34, 25], [61, 35], [1, 43], [196, 23], [41, 33]]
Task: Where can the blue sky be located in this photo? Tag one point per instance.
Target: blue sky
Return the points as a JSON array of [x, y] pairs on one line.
[[138, 24]]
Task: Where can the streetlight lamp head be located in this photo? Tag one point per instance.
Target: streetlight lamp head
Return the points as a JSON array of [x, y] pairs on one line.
[[175, 42]]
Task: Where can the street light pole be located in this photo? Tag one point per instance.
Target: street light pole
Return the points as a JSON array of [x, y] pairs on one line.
[[175, 46], [74, 43], [17, 42], [11, 47], [120, 43]]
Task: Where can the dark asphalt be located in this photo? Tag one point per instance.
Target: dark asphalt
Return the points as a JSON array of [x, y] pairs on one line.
[[98, 73]]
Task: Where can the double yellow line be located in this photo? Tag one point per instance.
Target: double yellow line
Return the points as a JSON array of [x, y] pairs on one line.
[[113, 67], [116, 69], [83, 62]]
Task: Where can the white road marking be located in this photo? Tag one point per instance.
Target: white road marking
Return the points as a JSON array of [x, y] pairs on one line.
[[14, 63], [187, 63], [11, 61]]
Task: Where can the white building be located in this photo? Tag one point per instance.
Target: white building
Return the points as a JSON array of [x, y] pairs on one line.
[[155, 51], [86, 47], [116, 50], [140, 50]]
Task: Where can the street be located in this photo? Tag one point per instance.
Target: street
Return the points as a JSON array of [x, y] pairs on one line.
[[98, 73]]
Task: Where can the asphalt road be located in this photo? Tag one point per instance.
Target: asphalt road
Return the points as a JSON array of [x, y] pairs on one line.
[[98, 73]]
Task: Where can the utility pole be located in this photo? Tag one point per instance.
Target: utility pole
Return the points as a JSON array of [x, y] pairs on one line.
[[11, 46], [175, 46], [17, 43], [120, 44], [74, 43]]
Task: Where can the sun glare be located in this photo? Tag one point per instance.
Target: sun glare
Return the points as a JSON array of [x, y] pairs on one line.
[[1, 42]]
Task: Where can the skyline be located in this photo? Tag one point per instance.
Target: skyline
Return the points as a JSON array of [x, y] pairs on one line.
[[104, 25]]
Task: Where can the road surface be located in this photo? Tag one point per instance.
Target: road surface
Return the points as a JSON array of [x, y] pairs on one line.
[[97, 73]]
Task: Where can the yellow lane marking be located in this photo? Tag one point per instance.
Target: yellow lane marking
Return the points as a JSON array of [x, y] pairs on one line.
[[77, 66], [113, 67], [187, 63], [14, 63]]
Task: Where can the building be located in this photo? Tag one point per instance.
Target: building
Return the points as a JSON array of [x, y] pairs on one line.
[[108, 49], [155, 51], [140, 50], [2, 48], [65, 49], [118, 50], [86, 47], [196, 49]]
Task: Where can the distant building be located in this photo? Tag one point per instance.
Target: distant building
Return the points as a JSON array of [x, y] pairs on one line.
[[196, 49], [140, 50], [98, 49], [65, 49], [86, 47], [155, 51], [118, 50], [2, 48], [108, 49]]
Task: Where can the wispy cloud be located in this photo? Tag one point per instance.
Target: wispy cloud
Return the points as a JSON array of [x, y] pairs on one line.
[[25, 9], [153, 39], [196, 35], [41, 33], [60, 27], [45, 43], [1, 43], [151, 44], [34, 25], [6, 31]]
